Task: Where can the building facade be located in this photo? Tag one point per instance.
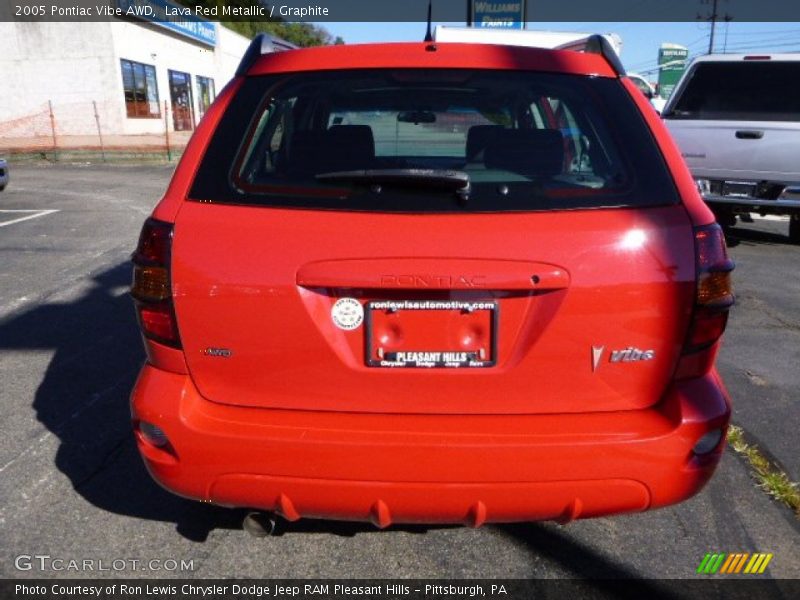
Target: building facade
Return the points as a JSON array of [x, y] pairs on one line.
[[126, 80]]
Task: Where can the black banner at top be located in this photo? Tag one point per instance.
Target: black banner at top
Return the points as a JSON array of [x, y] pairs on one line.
[[455, 11]]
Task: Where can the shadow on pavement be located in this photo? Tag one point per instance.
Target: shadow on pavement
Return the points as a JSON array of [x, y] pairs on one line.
[[741, 235], [545, 540], [83, 400]]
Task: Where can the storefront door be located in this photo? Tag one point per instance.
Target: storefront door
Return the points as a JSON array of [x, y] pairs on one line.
[[180, 89]]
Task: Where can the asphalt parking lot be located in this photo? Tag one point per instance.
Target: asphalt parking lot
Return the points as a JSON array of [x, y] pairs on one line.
[[74, 487]]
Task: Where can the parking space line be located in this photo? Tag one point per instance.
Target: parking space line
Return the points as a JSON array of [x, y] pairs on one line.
[[36, 213]]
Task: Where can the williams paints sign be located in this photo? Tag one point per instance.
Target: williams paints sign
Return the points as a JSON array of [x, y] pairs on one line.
[[501, 14], [171, 16]]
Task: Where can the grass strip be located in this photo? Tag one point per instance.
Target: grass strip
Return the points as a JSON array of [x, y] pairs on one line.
[[768, 476]]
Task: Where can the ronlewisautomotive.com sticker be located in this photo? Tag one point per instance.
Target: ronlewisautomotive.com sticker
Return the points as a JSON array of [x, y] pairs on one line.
[[347, 313]]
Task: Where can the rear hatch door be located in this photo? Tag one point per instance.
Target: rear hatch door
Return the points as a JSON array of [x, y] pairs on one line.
[[331, 257]]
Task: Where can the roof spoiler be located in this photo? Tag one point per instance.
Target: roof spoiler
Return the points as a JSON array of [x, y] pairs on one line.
[[597, 44], [261, 44]]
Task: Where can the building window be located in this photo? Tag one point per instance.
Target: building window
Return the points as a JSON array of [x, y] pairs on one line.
[[141, 90], [205, 93], [180, 89]]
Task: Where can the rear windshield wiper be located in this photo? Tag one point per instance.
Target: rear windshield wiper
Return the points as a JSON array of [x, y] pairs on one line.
[[440, 179]]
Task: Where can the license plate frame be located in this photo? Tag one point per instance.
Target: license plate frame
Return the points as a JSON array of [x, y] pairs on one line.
[[432, 358], [739, 189]]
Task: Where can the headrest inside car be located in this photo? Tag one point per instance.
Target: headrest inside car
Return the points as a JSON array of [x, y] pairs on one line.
[[529, 152], [340, 148], [478, 137], [347, 147]]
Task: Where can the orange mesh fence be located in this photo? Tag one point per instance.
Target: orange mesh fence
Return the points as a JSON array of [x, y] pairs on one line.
[[30, 131], [76, 126]]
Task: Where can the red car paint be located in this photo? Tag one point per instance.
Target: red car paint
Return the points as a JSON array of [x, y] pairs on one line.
[[589, 402]]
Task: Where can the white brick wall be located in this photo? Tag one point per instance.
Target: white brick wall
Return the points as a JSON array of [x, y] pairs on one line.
[[73, 64]]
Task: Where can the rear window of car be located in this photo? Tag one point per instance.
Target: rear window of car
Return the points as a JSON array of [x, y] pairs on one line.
[[433, 141], [743, 91]]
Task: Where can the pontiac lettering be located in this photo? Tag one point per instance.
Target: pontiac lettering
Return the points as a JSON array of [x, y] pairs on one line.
[[434, 281]]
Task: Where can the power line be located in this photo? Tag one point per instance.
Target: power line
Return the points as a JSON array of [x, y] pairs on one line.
[[651, 63], [652, 67], [697, 41], [725, 43], [765, 40], [776, 39], [774, 47], [657, 68], [777, 31]]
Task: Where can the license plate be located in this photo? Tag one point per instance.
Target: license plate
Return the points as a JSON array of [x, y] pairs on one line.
[[744, 189], [431, 334]]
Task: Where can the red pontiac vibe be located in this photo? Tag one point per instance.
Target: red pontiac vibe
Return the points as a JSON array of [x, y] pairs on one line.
[[432, 283]]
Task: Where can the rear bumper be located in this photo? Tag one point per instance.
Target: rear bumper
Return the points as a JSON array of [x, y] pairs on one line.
[[784, 206], [429, 468]]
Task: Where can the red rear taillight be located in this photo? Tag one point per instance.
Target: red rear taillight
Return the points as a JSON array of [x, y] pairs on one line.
[[714, 268], [713, 299], [151, 283], [155, 243]]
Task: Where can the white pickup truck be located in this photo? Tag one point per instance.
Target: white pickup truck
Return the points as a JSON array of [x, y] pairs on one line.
[[736, 119], [650, 93]]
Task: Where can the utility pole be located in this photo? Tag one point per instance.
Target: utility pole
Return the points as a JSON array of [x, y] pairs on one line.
[[713, 19], [713, 28], [725, 43]]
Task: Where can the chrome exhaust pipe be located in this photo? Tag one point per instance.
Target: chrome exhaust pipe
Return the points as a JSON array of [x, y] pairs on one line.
[[260, 524]]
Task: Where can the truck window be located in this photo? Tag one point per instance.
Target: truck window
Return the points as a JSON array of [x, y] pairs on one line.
[[742, 91]]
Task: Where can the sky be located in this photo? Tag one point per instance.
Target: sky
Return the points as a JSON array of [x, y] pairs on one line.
[[640, 41]]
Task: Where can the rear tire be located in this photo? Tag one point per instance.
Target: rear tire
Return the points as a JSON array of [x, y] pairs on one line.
[[794, 229]]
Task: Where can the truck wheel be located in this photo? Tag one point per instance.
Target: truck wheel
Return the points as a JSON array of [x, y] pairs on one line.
[[794, 229], [726, 218]]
